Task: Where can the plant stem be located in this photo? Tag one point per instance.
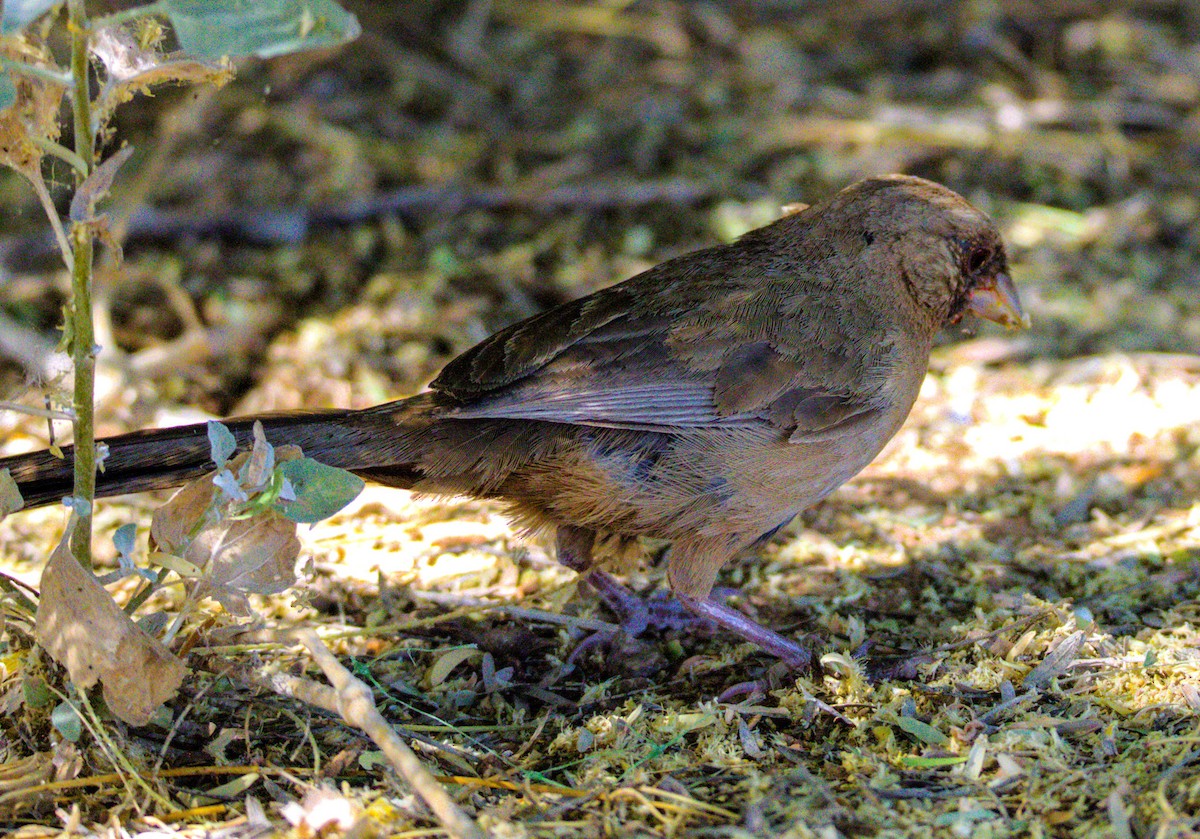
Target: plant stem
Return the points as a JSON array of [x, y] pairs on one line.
[[84, 142], [83, 337], [83, 359], [32, 70], [61, 152]]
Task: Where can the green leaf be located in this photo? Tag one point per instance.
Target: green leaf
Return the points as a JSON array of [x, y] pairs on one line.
[[440, 670], [123, 540], [265, 28], [924, 732], [10, 494], [36, 692], [221, 443], [320, 490], [371, 761], [915, 762], [17, 14], [8, 93], [65, 718]]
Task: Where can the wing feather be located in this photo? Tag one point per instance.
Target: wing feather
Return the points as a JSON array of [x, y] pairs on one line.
[[693, 356]]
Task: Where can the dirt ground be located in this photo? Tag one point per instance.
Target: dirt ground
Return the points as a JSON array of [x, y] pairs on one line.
[[1005, 601]]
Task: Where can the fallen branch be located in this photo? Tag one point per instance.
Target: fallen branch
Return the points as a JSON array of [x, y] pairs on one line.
[[351, 699]]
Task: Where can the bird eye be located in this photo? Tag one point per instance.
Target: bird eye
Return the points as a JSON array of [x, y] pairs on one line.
[[978, 258]]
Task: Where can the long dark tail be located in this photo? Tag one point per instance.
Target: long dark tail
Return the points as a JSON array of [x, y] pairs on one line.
[[377, 443]]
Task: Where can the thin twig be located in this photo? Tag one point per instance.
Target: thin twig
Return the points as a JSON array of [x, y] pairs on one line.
[[60, 235], [62, 153], [351, 699], [29, 410]]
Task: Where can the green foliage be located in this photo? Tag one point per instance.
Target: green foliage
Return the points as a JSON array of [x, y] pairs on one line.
[[227, 537], [221, 443], [318, 490], [263, 28], [67, 722]]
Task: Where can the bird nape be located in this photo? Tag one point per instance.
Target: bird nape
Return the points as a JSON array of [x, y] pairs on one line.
[[705, 401]]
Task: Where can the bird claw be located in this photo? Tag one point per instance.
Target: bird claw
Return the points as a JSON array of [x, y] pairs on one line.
[[638, 615], [633, 611], [776, 676], [680, 613], [790, 652], [753, 688]]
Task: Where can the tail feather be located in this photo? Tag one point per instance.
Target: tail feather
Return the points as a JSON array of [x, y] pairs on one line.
[[169, 457]]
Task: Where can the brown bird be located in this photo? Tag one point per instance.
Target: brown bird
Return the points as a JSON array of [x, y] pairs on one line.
[[705, 401]]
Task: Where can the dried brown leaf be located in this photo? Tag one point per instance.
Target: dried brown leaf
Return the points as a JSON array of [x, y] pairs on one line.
[[235, 556], [439, 671], [262, 461], [245, 556], [1055, 663], [85, 631], [172, 524]]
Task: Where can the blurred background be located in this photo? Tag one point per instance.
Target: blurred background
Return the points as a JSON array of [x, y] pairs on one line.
[[367, 213]]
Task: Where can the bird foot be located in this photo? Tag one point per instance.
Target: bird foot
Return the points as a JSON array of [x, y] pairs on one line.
[[751, 689], [683, 613], [786, 650], [636, 617], [658, 613], [575, 551]]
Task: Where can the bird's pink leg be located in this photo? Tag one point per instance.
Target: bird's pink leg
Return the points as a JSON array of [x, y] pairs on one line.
[[575, 552], [785, 649]]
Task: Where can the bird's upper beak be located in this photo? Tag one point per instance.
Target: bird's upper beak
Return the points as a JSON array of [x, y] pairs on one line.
[[995, 299]]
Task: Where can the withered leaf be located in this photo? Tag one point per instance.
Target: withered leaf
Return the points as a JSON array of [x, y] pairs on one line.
[[33, 113], [245, 556], [85, 631], [172, 524]]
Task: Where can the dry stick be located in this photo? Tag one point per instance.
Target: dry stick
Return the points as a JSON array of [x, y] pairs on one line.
[[352, 700], [274, 226]]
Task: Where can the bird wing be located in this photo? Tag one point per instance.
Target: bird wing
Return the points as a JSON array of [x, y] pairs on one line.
[[655, 353]]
